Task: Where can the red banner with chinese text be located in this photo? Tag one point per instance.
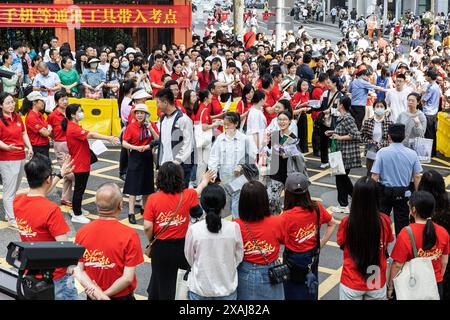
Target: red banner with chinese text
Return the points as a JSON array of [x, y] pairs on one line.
[[95, 16]]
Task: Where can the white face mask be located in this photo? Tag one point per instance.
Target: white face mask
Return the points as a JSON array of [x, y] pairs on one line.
[[124, 65], [94, 65], [80, 116], [379, 112]]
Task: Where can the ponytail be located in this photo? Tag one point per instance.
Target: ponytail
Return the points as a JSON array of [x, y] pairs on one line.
[[424, 204], [27, 105], [429, 235], [213, 200], [213, 221], [70, 111]]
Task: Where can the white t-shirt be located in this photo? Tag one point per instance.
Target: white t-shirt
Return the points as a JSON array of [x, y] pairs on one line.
[[397, 102], [104, 67], [256, 125], [166, 139], [377, 135], [226, 78]]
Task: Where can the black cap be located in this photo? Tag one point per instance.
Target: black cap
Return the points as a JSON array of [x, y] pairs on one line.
[[396, 129]]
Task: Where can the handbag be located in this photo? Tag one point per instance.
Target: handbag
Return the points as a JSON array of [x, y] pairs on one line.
[[94, 158], [277, 274], [336, 161], [306, 275], [250, 170], [325, 118], [148, 249], [202, 138], [181, 290], [416, 279]]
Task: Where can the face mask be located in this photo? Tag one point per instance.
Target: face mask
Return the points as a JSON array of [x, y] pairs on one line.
[[379, 111], [94, 65], [80, 116], [125, 64]]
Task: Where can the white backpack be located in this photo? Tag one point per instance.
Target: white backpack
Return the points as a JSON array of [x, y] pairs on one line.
[[416, 280]]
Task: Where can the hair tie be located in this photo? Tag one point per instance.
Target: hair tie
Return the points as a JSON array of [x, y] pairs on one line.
[[429, 218]]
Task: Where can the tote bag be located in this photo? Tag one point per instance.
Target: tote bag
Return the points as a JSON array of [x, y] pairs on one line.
[[335, 159], [181, 292], [416, 280], [202, 138]]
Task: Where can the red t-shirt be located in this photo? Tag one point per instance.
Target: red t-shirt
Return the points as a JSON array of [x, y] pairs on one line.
[[276, 92], [215, 108], [78, 147], [12, 134], [299, 97], [300, 227], [179, 105], [160, 207], [316, 94], [175, 76], [156, 77], [45, 226], [241, 109], [269, 103], [110, 247], [132, 134], [403, 252], [203, 80], [268, 233], [249, 39], [34, 122], [203, 112], [54, 119], [351, 277]]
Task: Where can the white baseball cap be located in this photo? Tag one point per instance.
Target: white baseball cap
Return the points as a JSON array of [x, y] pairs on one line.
[[141, 94], [36, 95]]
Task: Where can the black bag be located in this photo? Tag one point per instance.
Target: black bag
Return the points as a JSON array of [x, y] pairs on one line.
[[250, 171], [94, 158], [277, 274]]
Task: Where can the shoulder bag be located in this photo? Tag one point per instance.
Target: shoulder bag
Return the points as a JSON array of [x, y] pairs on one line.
[[277, 274], [326, 117], [416, 280], [148, 249], [202, 138]]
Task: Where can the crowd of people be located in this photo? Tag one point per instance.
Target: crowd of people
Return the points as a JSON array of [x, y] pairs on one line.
[[201, 160]]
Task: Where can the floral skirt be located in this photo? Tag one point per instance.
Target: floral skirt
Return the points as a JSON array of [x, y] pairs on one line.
[[274, 191]]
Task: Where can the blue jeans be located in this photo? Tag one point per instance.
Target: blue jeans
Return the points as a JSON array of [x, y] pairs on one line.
[[254, 283], [65, 288], [187, 168], [299, 291], [194, 296], [235, 204]]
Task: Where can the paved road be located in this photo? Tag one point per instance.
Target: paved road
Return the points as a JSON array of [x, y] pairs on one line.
[[323, 189]]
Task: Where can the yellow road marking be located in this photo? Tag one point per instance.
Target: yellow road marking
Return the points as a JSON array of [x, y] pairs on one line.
[[329, 283], [326, 185]]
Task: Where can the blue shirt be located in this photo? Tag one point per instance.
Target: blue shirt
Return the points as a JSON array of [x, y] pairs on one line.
[[396, 165], [93, 78], [431, 98], [359, 89]]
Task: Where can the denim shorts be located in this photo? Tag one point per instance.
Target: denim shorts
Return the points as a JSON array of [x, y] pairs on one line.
[[65, 288], [254, 283]]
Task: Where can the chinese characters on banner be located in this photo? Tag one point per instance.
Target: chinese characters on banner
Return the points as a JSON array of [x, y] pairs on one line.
[[95, 16]]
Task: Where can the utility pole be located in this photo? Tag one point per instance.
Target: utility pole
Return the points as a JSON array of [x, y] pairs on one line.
[[279, 23], [238, 15], [385, 15]]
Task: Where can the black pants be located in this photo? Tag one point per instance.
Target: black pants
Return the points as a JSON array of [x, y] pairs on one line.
[[187, 168], [81, 180], [316, 139], [344, 188], [167, 258], [324, 144], [393, 199], [369, 165], [123, 164], [333, 19], [302, 126], [358, 113], [44, 150], [430, 133]]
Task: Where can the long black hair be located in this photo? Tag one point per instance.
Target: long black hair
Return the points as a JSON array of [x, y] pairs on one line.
[[245, 91], [187, 102], [364, 226], [112, 70], [27, 105], [70, 111], [202, 96], [434, 183], [303, 201], [3, 96], [424, 204], [59, 95], [210, 73], [125, 88], [213, 200]]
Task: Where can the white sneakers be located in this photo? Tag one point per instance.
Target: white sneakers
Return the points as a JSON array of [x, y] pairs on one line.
[[83, 211], [80, 219], [324, 165]]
